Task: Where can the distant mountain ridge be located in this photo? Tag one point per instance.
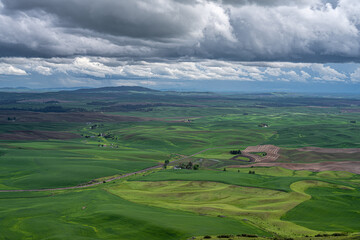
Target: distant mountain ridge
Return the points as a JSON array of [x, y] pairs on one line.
[[116, 89], [78, 89]]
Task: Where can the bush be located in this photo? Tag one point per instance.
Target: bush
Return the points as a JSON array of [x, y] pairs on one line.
[[322, 235], [249, 235], [225, 236], [196, 167], [235, 152], [338, 234]]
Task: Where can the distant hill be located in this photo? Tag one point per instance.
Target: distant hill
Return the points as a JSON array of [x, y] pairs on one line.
[[18, 89], [116, 89]]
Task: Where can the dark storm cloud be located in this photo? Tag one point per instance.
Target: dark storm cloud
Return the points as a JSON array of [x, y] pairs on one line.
[[244, 30], [138, 19], [278, 2]]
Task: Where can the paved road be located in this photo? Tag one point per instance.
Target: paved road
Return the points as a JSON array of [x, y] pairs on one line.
[[108, 180]]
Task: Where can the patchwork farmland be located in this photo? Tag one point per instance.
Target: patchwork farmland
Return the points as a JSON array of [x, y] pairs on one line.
[[194, 165]]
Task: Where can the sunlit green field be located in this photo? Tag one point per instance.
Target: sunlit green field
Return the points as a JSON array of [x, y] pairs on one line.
[[98, 214]]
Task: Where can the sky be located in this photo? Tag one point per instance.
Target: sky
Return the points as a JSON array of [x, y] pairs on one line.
[[201, 45]]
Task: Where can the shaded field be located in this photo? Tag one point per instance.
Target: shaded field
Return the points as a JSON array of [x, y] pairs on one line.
[[26, 117], [50, 164], [37, 135]]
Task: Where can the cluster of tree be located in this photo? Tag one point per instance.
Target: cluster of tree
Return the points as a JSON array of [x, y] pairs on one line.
[[188, 166], [95, 126], [110, 146], [166, 163], [129, 107], [235, 152], [52, 109], [108, 136], [100, 103], [52, 102], [352, 121], [334, 234], [251, 172], [232, 236], [11, 118]]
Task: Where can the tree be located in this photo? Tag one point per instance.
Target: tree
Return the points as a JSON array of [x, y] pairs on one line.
[[224, 170], [196, 167], [166, 163], [189, 165]]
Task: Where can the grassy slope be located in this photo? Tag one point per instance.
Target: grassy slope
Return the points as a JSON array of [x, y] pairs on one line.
[[263, 207], [106, 216], [329, 209], [48, 164], [281, 183]]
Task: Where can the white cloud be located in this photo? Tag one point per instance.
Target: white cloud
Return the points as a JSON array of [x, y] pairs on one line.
[[43, 70], [355, 76], [106, 69], [6, 69], [327, 73]]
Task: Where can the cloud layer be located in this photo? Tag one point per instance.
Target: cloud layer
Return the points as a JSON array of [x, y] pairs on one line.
[[150, 42], [247, 30], [102, 68]]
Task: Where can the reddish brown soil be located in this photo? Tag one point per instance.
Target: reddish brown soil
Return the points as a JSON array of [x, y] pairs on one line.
[[329, 150], [273, 155], [24, 116], [37, 135], [271, 150], [348, 166]]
